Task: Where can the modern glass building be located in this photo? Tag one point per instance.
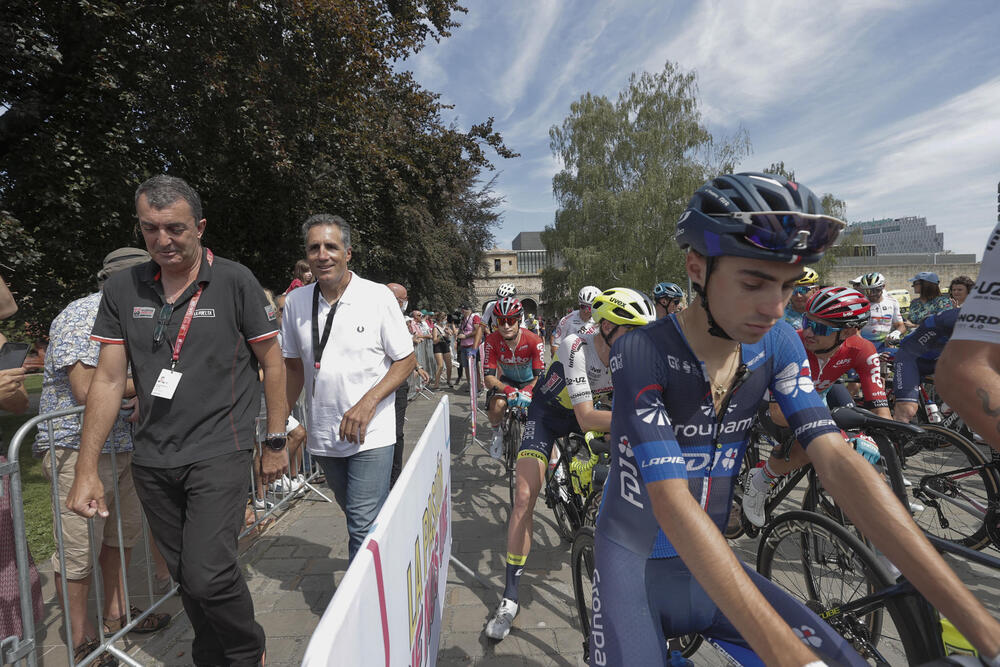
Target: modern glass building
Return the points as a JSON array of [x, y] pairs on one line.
[[901, 235]]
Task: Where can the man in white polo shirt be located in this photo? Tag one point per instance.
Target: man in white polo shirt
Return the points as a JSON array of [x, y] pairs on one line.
[[343, 338]]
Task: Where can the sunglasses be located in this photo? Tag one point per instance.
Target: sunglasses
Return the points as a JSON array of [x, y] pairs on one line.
[[508, 321], [801, 290], [804, 233], [818, 328], [161, 322]]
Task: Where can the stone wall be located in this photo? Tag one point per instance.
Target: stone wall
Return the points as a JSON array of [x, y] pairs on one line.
[[897, 276]]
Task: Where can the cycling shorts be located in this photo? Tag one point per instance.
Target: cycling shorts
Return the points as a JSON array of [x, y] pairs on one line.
[[545, 423], [639, 602], [909, 372], [493, 392]]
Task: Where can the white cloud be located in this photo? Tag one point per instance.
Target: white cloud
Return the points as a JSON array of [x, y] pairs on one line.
[[537, 21]]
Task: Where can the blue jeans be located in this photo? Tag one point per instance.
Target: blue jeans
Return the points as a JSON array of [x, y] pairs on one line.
[[360, 482]]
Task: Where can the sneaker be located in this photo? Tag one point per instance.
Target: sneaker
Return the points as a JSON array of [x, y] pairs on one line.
[[499, 626], [296, 483], [281, 485], [261, 504], [755, 497], [496, 447]]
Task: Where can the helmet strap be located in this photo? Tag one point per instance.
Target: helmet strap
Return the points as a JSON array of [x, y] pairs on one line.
[[713, 327], [836, 344], [607, 337]]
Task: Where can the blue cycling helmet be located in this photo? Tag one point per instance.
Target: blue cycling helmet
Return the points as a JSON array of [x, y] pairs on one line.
[[720, 220], [667, 290]]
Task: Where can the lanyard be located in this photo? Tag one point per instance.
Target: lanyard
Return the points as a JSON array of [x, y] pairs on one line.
[[319, 344], [186, 322]]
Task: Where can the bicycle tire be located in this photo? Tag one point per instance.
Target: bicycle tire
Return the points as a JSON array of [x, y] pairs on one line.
[[582, 569], [803, 543], [562, 500], [955, 478], [512, 442]]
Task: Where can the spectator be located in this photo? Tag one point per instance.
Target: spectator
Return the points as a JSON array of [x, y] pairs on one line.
[[69, 368], [467, 328], [13, 398], [930, 300], [303, 276], [350, 384], [960, 288], [442, 348], [194, 323], [402, 393]]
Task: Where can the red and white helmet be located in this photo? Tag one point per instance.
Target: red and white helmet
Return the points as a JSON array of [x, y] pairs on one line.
[[839, 307], [507, 307]]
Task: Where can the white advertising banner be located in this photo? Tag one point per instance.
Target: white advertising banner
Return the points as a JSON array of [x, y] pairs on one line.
[[392, 595]]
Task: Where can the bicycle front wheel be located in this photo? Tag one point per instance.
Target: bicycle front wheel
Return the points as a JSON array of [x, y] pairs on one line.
[[824, 565], [582, 567], [955, 483], [511, 444]]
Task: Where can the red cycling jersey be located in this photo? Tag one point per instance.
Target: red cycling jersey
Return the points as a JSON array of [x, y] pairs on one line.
[[522, 364], [855, 354]]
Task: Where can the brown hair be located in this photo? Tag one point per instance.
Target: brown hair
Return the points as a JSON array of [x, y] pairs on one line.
[[301, 268], [963, 280]]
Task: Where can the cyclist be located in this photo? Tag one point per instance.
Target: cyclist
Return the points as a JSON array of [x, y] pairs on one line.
[[968, 373], [886, 321], [486, 320], [516, 354], [577, 322], [832, 319], [687, 388], [803, 288], [563, 403], [916, 359], [667, 297]]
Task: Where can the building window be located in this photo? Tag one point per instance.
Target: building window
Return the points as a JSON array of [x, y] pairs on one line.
[[496, 264]]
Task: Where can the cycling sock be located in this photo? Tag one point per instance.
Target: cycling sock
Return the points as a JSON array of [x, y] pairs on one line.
[[515, 566], [769, 474]]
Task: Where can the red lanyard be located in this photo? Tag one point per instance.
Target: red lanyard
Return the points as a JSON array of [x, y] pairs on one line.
[[188, 316]]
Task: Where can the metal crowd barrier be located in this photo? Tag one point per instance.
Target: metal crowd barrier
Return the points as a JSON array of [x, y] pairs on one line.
[[21, 649], [425, 358]]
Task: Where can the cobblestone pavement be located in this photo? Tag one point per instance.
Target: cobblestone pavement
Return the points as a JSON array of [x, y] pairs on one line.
[[292, 569]]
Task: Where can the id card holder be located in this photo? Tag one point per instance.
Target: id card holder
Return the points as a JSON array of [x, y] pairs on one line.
[[166, 384]]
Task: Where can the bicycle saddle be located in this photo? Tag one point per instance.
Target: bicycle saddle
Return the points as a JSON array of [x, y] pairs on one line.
[[855, 418]]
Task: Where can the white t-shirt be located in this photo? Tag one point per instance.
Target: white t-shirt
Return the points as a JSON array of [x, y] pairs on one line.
[[572, 324], [883, 315], [367, 335]]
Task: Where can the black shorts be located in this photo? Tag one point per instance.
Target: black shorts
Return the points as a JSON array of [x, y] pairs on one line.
[[491, 392], [545, 424], [442, 347]]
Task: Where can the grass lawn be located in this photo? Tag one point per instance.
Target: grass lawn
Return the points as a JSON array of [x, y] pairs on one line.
[[37, 498]]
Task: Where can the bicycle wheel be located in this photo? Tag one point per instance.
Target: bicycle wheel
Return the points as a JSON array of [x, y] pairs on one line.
[[566, 505], [511, 443], [955, 483], [823, 564]]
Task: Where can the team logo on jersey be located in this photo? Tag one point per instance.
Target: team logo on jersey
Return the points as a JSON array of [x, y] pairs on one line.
[[792, 379], [142, 312], [708, 409], [624, 447], [730, 458], [808, 636], [205, 312], [655, 414]]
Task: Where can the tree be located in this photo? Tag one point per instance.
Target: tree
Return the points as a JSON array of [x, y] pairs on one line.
[[271, 110], [629, 168]]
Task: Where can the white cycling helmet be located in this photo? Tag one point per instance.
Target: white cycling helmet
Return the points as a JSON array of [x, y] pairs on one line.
[[505, 290], [588, 294], [872, 281]]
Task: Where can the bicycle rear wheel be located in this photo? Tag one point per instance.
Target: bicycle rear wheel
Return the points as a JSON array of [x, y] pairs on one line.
[[823, 564], [955, 483]]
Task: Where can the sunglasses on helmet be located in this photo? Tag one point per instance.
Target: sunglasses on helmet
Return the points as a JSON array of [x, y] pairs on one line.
[[804, 233], [818, 328]]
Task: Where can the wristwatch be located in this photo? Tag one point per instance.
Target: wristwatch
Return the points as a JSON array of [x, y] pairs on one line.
[[275, 441]]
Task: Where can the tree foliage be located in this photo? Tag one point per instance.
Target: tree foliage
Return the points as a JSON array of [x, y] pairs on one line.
[[629, 168], [271, 110]]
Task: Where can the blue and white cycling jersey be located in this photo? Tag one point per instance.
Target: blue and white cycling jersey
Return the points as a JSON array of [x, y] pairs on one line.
[[928, 340], [664, 424]]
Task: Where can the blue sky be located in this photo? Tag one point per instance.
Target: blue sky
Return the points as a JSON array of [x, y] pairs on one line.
[[892, 105]]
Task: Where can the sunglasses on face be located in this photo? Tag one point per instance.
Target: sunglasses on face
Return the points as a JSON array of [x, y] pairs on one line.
[[508, 321], [804, 233], [802, 290], [161, 322], [818, 328]]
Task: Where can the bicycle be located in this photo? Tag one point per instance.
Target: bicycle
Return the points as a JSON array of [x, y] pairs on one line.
[[843, 582], [512, 428], [573, 485]]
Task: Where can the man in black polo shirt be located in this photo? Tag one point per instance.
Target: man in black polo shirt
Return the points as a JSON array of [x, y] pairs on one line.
[[194, 327]]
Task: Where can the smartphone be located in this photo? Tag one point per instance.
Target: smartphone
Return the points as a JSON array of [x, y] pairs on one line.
[[12, 355]]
